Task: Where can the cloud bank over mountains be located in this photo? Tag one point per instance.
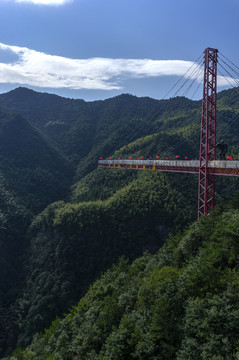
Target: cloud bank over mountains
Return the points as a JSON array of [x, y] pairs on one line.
[[38, 69]]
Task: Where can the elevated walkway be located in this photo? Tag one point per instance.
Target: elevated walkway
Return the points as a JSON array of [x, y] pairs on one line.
[[216, 167]]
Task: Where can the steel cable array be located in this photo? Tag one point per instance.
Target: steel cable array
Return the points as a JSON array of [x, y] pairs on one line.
[[235, 70], [184, 85], [229, 67], [194, 72]]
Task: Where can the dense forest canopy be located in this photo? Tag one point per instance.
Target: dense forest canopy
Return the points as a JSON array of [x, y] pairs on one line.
[[64, 222], [181, 303]]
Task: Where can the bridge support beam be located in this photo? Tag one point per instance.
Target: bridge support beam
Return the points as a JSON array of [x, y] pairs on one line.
[[206, 187]]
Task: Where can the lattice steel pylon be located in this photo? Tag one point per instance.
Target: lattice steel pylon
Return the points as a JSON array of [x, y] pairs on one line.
[[206, 186]]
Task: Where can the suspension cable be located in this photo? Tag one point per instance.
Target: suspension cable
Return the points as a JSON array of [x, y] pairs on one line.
[[196, 70], [230, 67], [224, 77], [198, 75], [230, 61], [198, 66], [182, 77], [230, 75]]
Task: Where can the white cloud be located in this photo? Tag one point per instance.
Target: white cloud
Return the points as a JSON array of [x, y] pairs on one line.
[[38, 69], [44, 2]]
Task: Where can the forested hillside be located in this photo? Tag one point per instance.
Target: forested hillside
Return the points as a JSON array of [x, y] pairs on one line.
[[84, 131], [32, 174], [181, 303], [63, 221]]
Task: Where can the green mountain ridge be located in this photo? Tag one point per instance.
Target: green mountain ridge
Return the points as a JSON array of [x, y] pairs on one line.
[[49, 152], [84, 131]]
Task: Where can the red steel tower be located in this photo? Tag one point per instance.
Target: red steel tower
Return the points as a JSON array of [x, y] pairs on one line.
[[206, 188], [205, 167]]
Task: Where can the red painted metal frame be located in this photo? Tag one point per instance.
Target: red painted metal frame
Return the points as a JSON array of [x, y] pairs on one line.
[[206, 186]]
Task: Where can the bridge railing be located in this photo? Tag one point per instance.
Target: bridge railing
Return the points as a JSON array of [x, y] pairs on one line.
[[186, 163], [231, 164]]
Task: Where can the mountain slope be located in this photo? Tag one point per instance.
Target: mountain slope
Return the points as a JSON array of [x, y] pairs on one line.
[[73, 243], [110, 213], [181, 303], [84, 131], [34, 169], [32, 175]]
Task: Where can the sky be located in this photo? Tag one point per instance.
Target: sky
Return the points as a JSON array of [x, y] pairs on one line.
[[96, 49]]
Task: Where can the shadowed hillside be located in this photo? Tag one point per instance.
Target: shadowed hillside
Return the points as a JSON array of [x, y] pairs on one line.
[[181, 303], [63, 221]]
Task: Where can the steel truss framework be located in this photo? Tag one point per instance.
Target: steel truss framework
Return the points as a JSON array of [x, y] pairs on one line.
[[206, 167], [206, 186]]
